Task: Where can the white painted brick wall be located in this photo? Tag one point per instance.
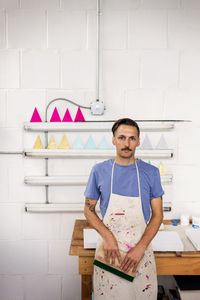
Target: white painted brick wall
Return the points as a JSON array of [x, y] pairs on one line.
[[150, 67], [153, 36], [2, 29], [17, 290], [71, 27], [26, 28], [9, 69], [9, 4], [36, 64]]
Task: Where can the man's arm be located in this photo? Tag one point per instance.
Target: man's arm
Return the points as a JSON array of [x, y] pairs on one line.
[[110, 244], [134, 255]]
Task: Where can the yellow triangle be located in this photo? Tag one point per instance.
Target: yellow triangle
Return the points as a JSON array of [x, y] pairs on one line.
[[64, 143], [162, 169], [52, 143], [38, 144]]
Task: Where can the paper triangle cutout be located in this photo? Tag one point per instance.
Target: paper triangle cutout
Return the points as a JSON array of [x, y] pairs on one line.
[[162, 169], [146, 143], [55, 116], [38, 143], [90, 143], [162, 144], [52, 143], [67, 117], [149, 162], [104, 144], [64, 143], [79, 116], [78, 143], [35, 116]]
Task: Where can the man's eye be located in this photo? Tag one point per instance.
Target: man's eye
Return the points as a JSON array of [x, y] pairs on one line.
[[132, 138]]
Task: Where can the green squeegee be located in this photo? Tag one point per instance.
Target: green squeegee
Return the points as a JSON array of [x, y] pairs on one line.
[[113, 270]]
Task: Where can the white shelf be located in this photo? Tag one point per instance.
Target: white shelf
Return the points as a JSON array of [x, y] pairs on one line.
[[93, 126], [98, 153], [52, 207], [56, 180], [55, 207], [70, 180]]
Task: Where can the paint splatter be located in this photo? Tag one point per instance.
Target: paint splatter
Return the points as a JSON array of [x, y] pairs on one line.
[[129, 246], [147, 276]]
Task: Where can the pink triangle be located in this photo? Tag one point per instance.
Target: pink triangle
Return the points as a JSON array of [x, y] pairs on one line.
[[79, 116], [67, 117], [55, 116], [36, 117]]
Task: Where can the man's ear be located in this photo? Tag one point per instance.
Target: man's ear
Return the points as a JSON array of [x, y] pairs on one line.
[[138, 143], [113, 140]]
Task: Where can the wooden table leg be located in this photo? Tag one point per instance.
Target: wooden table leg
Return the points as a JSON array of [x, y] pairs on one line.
[[86, 287]]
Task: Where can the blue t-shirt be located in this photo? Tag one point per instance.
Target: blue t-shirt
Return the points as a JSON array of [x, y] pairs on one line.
[[125, 183]]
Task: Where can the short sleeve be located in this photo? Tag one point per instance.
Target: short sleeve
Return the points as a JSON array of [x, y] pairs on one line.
[[92, 190], [156, 189]]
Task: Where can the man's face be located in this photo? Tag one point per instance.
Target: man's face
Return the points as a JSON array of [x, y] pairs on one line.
[[126, 140]]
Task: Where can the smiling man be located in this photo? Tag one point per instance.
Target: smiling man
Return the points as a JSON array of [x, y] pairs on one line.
[[130, 195]]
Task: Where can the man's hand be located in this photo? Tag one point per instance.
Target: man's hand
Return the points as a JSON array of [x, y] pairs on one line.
[[111, 249], [132, 259]]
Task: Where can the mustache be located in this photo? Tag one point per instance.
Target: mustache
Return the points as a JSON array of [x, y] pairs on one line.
[[126, 149]]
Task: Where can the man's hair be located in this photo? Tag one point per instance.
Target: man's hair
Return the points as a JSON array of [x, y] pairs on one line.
[[125, 121]]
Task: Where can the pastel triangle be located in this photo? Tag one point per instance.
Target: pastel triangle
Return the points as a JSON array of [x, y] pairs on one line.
[[103, 144], [149, 162], [67, 117], [64, 143], [162, 144], [79, 116], [35, 116], [78, 143], [55, 116], [90, 143], [52, 143], [38, 143], [146, 143], [162, 169]]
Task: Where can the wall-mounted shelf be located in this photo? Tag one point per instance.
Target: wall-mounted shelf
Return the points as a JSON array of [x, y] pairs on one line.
[[56, 207], [52, 207], [93, 126], [71, 180], [98, 153]]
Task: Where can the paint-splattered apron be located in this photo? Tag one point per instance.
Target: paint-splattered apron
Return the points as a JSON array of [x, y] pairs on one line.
[[124, 217]]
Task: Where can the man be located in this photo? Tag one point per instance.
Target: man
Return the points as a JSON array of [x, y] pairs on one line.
[[131, 206]]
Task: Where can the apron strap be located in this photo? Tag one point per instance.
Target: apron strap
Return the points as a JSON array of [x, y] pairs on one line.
[[112, 177], [138, 178]]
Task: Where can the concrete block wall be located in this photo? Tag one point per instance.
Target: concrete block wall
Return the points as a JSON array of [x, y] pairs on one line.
[[150, 67]]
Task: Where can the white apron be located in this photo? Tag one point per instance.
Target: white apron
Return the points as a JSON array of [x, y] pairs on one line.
[[124, 218]]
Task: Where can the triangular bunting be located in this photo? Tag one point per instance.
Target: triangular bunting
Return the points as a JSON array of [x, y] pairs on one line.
[[67, 117], [78, 143], [149, 162], [79, 116], [64, 143], [162, 144], [55, 116], [52, 143], [103, 145], [35, 117], [146, 143], [38, 144], [90, 143], [162, 169]]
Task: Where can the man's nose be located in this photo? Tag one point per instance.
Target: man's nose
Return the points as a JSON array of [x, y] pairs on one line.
[[127, 142]]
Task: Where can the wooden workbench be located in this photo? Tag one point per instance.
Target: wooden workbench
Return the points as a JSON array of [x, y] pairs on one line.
[[167, 263]]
